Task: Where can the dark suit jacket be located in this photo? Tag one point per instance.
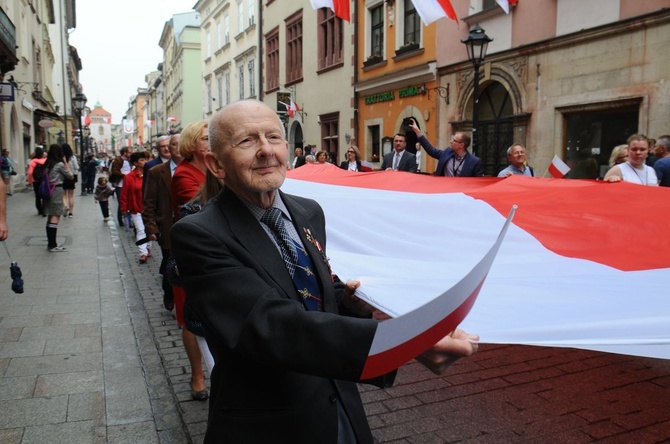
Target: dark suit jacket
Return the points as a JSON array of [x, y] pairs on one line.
[[407, 162], [345, 165], [472, 165], [149, 165], [279, 369], [157, 214]]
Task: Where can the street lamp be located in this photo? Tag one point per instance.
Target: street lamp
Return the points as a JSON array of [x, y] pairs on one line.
[[476, 45], [79, 102]]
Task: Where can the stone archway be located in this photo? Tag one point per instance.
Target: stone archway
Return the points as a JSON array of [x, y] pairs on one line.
[[502, 121]]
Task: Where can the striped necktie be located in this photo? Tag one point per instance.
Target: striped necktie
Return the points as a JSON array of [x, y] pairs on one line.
[[296, 259]]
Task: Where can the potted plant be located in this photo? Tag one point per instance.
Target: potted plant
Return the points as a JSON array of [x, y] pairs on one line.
[[407, 47], [373, 60]]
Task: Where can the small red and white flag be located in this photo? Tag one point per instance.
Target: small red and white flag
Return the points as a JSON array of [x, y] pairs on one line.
[[293, 109], [171, 119], [148, 123], [558, 168], [505, 4], [339, 7]]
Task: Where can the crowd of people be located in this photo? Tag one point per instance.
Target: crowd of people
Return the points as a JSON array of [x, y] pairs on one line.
[[244, 265]]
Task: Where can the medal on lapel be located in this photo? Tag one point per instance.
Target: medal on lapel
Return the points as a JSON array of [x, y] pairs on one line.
[[312, 240]]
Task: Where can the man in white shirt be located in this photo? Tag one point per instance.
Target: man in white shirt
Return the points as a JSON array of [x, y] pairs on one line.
[[399, 159]]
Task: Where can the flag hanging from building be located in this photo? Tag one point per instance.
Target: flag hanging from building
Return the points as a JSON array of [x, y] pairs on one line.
[[148, 123], [558, 168], [505, 4], [339, 7], [128, 126], [568, 274], [432, 10], [171, 119]]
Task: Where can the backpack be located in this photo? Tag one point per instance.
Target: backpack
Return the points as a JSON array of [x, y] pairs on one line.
[[45, 190], [38, 172]]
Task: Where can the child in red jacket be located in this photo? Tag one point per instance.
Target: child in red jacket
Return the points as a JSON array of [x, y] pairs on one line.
[[131, 201]]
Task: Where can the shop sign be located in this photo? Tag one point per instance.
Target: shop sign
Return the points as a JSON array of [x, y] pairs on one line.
[[6, 92], [390, 95], [408, 92]]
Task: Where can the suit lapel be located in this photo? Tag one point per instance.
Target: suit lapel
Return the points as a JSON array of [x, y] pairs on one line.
[[251, 236], [319, 261]]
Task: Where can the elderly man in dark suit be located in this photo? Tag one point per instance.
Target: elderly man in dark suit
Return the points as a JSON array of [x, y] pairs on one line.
[[157, 214], [399, 159], [163, 151], [454, 161], [286, 361]]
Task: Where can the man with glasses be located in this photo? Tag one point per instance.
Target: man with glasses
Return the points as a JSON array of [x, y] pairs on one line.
[[399, 159], [516, 154], [163, 150], [454, 161]]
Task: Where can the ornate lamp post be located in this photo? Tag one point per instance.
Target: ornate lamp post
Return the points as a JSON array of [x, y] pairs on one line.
[[476, 45], [79, 102]]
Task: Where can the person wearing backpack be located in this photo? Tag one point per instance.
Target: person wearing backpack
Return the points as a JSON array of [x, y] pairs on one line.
[[57, 170], [35, 171]]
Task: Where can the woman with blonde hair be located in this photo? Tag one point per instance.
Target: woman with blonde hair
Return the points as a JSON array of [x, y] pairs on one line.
[[188, 178], [619, 155]]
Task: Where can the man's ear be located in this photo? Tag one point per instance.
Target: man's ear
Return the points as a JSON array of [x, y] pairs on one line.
[[214, 166]]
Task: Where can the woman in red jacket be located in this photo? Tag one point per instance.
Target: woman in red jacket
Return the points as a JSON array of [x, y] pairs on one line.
[[130, 200], [188, 178]]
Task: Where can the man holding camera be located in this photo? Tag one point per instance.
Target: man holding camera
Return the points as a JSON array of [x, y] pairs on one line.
[[454, 161]]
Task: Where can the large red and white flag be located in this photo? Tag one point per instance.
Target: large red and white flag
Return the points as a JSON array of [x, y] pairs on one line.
[[581, 266], [558, 168], [339, 7]]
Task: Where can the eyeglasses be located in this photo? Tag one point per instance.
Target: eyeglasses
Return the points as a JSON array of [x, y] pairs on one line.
[[453, 139], [351, 151]]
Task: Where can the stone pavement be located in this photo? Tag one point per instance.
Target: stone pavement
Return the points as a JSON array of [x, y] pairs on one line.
[[89, 355]]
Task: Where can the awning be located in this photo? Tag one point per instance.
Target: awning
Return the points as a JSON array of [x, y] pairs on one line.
[[48, 114]]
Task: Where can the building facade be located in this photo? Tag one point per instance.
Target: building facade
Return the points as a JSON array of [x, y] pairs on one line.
[[396, 77], [567, 78], [182, 72]]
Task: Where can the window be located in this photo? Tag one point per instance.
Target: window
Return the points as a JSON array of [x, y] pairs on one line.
[[488, 4], [591, 134], [208, 45], [219, 87], [240, 17], [252, 11], [241, 79], [218, 35], [331, 36], [227, 85], [272, 60], [375, 142], [377, 31], [226, 29], [209, 95], [252, 78], [412, 22], [329, 132], [294, 48]]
